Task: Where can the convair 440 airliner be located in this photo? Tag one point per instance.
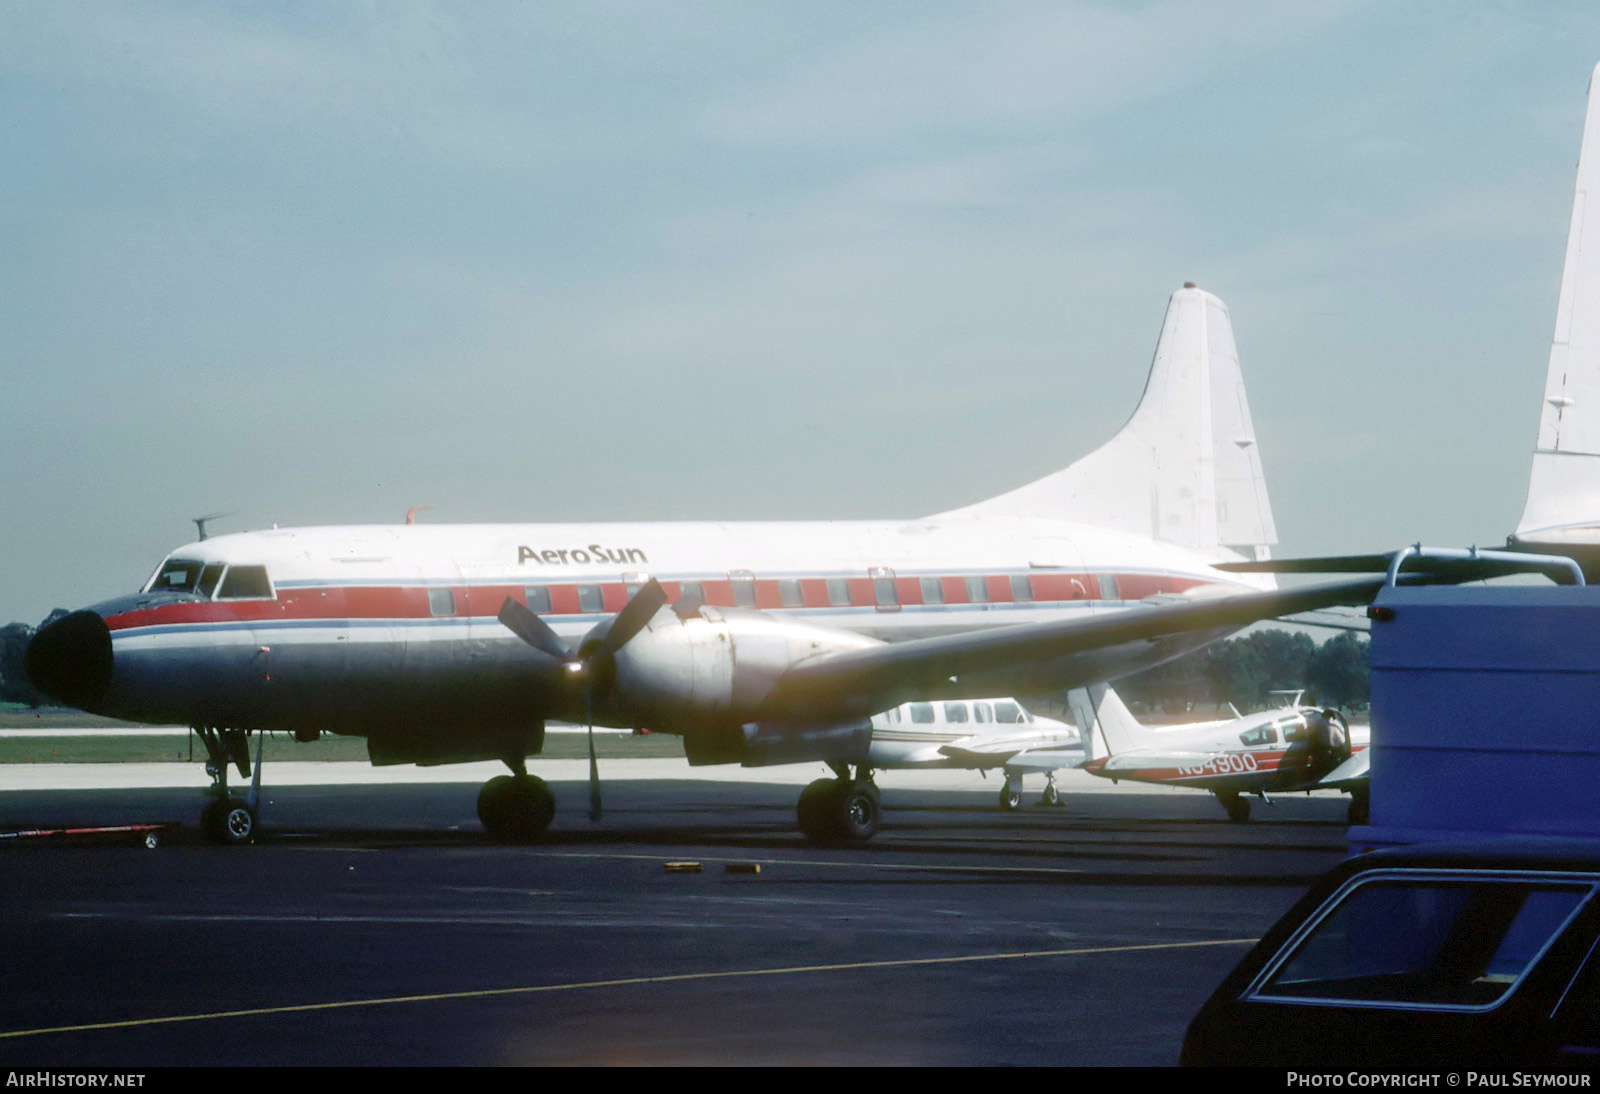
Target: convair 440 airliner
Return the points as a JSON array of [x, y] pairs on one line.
[[759, 643]]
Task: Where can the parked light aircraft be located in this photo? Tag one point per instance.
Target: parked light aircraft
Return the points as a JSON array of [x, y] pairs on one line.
[[980, 735], [1291, 748], [773, 649]]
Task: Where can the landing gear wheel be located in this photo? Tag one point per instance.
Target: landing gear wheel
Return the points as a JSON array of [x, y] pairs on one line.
[[1238, 808], [839, 811], [515, 808], [815, 809], [860, 812], [232, 822], [1010, 798], [1359, 809], [1051, 795]]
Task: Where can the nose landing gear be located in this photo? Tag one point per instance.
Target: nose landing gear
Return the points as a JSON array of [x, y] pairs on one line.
[[227, 818]]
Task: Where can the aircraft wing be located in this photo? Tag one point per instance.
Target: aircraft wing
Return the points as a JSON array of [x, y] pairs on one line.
[[1014, 660], [1352, 773]]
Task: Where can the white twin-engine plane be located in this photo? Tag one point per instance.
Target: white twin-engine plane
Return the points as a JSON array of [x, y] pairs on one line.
[[759, 643]]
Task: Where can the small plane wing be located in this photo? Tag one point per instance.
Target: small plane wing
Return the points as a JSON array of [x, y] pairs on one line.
[[1350, 774], [1044, 759], [1014, 660]]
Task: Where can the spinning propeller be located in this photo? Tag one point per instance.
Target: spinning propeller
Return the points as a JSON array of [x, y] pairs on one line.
[[595, 662]]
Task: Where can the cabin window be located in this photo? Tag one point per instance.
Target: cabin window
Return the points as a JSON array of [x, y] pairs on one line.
[[955, 713], [590, 599], [744, 588], [209, 578], [838, 592], [932, 591], [538, 598], [922, 713], [246, 583], [892, 715], [1261, 735], [442, 602], [633, 582], [177, 575], [1021, 588], [883, 588], [977, 590], [1108, 587], [691, 590], [982, 712], [789, 594], [1007, 712]]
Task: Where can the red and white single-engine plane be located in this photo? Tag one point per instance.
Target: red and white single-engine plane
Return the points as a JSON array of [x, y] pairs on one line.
[[1291, 748], [759, 643]]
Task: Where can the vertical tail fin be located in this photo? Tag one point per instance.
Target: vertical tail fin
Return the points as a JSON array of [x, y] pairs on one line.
[[1562, 512], [1105, 724], [1185, 469]]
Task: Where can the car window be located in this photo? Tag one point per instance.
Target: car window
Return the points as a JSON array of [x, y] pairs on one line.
[[1439, 943]]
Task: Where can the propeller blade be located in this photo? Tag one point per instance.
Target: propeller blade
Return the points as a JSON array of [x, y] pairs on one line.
[[633, 617], [527, 625]]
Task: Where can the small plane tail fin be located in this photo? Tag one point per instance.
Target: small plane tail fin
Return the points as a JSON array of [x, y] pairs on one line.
[[1186, 468], [1562, 512], [1105, 724]]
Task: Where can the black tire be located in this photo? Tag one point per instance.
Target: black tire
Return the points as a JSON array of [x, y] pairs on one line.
[[816, 809], [1010, 799], [231, 822], [1360, 810], [1238, 808], [516, 808], [1051, 795]]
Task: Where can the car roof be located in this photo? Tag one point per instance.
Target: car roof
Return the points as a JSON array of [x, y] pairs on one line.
[[1490, 853]]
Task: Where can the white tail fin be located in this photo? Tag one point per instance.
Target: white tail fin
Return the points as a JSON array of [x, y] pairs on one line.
[[1564, 489], [1105, 724], [1185, 469]]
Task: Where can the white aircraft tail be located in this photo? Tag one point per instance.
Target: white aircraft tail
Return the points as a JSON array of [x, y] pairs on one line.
[[1563, 505], [1105, 724], [1185, 469]]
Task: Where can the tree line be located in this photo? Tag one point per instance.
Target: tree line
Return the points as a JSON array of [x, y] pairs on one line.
[[1242, 671]]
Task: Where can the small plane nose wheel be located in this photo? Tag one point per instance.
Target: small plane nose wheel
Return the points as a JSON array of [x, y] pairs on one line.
[[1051, 795]]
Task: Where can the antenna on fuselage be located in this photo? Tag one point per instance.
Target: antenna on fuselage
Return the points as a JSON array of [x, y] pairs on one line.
[[411, 514], [200, 522]]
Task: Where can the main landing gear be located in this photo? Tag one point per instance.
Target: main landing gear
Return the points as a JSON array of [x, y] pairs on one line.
[[517, 807], [1011, 791], [841, 810], [1238, 808], [228, 818]]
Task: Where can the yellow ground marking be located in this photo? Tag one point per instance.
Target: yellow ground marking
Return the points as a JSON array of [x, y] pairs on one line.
[[678, 978]]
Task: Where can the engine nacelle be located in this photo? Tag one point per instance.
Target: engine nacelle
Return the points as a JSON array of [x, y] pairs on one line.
[[712, 669]]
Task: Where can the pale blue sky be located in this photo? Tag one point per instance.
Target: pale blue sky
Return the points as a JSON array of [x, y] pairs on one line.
[[320, 263]]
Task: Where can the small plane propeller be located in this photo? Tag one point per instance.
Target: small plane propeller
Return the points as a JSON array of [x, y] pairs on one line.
[[595, 659]]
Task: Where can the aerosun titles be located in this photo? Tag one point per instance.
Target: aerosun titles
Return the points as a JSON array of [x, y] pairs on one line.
[[580, 555]]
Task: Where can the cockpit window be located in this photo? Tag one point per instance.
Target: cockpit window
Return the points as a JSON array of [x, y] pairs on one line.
[[246, 583], [209, 578], [177, 575]]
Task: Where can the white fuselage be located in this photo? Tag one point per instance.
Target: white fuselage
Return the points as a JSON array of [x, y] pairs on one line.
[[373, 629]]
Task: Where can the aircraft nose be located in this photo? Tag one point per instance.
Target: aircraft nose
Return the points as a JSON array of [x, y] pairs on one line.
[[70, 660]]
